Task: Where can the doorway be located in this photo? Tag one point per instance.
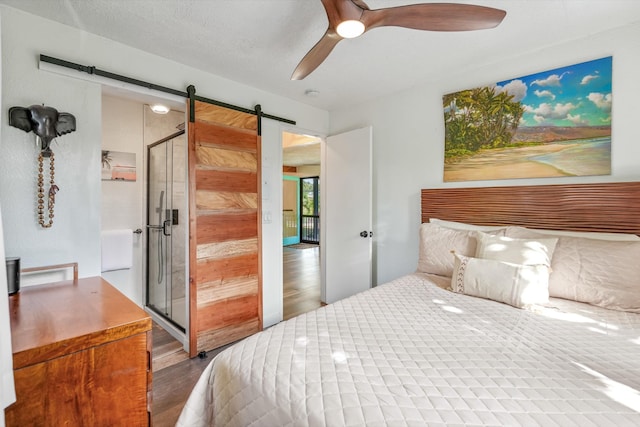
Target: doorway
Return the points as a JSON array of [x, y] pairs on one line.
[[129, 126], [166, 263], [301, 223]]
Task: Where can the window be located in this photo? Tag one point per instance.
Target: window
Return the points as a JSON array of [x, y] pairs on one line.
[[310, 209]]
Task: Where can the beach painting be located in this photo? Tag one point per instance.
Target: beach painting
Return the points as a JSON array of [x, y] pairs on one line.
[[550, 124], [118, 166]]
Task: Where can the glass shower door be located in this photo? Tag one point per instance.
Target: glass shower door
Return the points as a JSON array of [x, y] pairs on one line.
[[165, 262]]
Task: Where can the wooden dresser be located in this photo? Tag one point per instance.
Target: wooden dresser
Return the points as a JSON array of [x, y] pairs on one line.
[[81, 356]]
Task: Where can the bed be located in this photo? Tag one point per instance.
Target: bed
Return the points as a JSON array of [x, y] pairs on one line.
[[414, 352]]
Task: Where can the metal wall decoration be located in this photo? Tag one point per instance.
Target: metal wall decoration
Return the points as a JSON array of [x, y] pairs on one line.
[[47, 123]]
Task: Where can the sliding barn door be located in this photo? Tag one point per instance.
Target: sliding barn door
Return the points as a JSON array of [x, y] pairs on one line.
[[224, 230]]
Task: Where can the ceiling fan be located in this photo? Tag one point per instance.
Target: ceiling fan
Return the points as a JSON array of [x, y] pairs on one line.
[[351, 18]]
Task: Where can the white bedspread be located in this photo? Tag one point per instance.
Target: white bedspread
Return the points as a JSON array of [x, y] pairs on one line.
[[409, 353]]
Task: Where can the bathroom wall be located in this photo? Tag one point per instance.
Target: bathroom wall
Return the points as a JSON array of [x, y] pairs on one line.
[[122, 207]]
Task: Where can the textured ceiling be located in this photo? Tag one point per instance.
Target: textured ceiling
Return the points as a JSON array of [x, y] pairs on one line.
[[260, 42]]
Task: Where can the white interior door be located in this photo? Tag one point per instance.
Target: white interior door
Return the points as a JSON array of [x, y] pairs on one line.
[[346, 206]]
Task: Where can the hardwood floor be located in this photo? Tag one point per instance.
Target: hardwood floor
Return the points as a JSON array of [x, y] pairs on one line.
[[301, 277], [172, 386], [167, 351], [172, 383]]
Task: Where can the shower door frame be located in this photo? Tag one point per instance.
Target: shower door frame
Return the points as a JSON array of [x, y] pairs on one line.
[[152, 307]]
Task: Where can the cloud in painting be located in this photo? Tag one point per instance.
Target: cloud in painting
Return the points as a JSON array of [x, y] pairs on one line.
[[549, 111], [544, 94], [516, 88], [577, 120], [552, 80], [587, 79], [601, 100]]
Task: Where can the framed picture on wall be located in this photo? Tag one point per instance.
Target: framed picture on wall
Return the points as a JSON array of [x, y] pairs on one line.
[[118, 166], [550, 124]]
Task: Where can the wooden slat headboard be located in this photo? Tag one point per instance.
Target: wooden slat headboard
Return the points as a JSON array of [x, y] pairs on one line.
[[606, 207]]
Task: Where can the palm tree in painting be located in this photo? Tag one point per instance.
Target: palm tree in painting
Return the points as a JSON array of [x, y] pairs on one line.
[[479, 118], [106, 159]]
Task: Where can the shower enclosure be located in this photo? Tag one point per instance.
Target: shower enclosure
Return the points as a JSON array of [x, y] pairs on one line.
[[166, 229]]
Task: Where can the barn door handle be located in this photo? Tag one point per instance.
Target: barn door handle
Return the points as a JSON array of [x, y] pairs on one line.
[[364, 234]]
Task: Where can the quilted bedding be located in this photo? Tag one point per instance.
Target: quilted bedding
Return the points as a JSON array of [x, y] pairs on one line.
[[409, 353]]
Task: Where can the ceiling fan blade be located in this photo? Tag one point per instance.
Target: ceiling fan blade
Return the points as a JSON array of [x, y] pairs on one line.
[[435, 17], [337, 11], [316, 55], [361, 4]]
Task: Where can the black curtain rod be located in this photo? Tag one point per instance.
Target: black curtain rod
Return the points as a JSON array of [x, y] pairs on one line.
[[125, 79]]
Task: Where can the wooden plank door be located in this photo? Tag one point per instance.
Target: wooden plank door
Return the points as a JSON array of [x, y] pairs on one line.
[[225, 227]]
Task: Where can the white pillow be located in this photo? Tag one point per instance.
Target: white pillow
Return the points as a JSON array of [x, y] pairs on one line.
[[625, 237], [436, 244], [534, 251], [513, 284], [464, 226], [599, 272]]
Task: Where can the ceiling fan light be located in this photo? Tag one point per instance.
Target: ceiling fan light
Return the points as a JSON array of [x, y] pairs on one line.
[[350, 29], [160, 109]]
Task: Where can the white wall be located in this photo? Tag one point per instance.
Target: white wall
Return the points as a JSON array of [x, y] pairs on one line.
[[76, 233], [7, 388], [408, 136], [122, 130], [272, 275]]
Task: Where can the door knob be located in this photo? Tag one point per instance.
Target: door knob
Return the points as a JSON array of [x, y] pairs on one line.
[[364, 234]]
